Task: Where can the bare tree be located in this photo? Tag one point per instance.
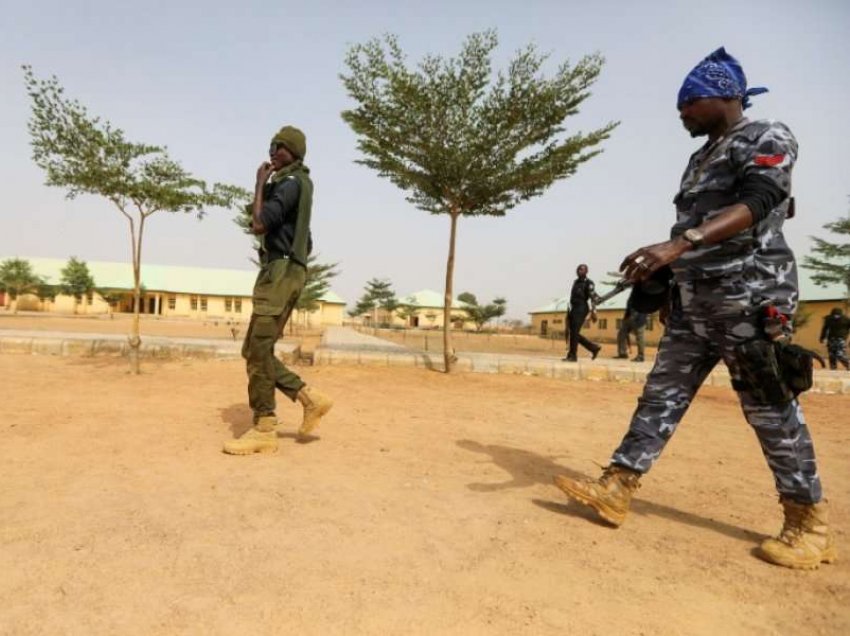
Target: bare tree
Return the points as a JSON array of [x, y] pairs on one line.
[[85, 155]]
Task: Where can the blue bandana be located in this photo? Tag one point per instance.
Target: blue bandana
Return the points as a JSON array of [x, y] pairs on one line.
[[718, 75]]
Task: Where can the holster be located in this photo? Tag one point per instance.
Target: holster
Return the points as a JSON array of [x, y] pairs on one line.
[[797, 366], [774, 373], [761, 373]]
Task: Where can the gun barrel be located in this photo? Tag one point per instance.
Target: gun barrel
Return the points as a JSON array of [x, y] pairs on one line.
[[619, 287]]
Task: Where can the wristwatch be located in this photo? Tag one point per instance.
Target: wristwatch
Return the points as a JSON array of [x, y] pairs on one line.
[[694, 237]]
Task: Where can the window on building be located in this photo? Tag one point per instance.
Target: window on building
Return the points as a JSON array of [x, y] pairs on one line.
[[228, 304], [203, 303], [172, 302], [618, 323], [603, 323], [193, 303], [237, 305], [557, 321]]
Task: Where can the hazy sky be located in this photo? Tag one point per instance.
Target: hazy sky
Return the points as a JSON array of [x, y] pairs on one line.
[[214, 80]]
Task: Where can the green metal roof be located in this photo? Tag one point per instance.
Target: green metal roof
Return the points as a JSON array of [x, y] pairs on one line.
[[164, 278], [809, 292], [427, 298]]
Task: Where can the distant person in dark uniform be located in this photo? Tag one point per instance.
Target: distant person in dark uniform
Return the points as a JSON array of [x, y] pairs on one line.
[[582, 297], [836, 326], [633, 322]]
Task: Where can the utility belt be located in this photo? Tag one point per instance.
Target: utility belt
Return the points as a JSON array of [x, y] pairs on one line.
[[773, 370], [267, 257]]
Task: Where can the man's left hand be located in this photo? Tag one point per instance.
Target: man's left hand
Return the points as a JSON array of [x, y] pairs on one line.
[[641, 264]]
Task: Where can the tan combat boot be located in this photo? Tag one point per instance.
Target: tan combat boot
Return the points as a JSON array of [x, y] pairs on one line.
[[609, 495], [262, 438], [805, 541], [316, 404]]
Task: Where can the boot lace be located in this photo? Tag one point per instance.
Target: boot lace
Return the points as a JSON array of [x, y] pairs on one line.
[[621, 476], [793, 528]]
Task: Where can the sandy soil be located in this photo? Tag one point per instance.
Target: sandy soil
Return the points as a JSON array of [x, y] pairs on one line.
[[426, 507]]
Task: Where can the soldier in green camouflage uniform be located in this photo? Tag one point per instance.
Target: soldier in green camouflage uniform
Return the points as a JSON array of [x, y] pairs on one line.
[[836, 327], [280, 217], [730, 263]]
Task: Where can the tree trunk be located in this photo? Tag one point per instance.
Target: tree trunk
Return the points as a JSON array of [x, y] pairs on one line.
[[134, 339], [448, 350]]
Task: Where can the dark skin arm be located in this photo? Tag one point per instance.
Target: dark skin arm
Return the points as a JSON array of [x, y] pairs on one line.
[[640, 264], [263, 173]]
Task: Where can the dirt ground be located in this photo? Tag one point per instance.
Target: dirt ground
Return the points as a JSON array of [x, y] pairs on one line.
[[425, 507]]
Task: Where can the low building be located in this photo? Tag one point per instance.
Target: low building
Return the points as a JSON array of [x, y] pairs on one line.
[[168, 291], [815, 303], [420, 310], [424, 310]]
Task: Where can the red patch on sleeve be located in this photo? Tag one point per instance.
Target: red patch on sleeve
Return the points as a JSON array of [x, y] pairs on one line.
[[768, 161]]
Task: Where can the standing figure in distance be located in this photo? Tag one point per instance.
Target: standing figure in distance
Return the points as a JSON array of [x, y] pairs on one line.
[[836, 326], [633, 322]]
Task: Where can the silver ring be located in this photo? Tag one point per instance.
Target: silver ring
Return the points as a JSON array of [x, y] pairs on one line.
[[640, 259]]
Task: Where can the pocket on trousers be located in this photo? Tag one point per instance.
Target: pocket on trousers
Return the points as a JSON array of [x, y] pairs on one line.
[[265, 327], [275, 286]]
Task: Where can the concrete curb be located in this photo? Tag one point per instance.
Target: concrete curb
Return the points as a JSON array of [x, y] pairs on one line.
[[81, 345], [87, 345], [828, 382]]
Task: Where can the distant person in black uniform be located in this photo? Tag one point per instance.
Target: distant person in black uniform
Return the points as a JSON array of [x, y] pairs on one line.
[[582, 298], [633, 322], [836, 327]]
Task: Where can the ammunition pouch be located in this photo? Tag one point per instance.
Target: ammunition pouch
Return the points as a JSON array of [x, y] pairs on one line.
[[798, 366], [774, 373]]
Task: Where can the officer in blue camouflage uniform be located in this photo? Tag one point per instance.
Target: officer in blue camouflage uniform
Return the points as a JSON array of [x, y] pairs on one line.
[[730, 263], [836, 327]]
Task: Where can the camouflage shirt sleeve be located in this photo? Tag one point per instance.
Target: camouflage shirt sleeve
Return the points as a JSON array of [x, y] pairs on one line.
[[769, 153]]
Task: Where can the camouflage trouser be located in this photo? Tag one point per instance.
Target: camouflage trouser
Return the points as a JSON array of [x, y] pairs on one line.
[[837, 350], [275, 294], [694, 341], [623, 338]]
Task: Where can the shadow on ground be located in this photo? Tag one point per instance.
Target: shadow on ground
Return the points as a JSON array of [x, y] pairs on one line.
[[239, 419], [528, 469]]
